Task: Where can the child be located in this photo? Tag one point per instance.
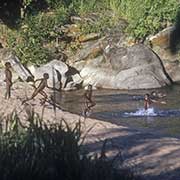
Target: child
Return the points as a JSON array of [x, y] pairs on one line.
[[40, 88], [89, 103], [157, 95], [8, 79], [148, 101]]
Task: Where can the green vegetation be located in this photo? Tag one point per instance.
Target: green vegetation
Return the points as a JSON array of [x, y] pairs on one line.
[[41, 151], [30, 39], [144, 17], [36, 31]]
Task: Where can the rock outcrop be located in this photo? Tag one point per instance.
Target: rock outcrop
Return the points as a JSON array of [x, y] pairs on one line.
[[162, 43], [173, 69], [59, 72], [135, 67]]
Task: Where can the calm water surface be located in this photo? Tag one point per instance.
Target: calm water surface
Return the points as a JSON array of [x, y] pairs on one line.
[[119, 106]]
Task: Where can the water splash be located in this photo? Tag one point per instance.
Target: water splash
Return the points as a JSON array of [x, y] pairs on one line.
[[152, 113], [141, 112]]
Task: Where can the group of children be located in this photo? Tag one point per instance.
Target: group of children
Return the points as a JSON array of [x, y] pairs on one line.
[[89, 103], [37, 90]]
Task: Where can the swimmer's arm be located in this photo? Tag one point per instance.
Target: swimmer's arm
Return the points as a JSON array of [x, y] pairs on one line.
[[160, 102]]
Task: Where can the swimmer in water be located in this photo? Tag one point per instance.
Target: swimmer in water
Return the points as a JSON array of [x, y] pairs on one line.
[[157, 95], [148, 101]]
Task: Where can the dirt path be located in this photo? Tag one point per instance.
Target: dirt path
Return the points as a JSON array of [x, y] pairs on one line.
[[152, 156]]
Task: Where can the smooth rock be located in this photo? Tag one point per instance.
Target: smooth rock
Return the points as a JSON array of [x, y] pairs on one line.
[[137, 68], [163, 43], [162, 38], [59, 71], [173, 69]]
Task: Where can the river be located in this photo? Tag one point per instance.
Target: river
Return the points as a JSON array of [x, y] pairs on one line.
[[124, 107]]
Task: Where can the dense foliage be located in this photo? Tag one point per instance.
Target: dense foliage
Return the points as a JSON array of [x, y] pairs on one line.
[[37, 27], [42, 151], [30, 39]]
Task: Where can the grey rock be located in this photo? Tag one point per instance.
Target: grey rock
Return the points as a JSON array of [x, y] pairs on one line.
[[136, 68], [164, 44], [59, 71], [173, 69]]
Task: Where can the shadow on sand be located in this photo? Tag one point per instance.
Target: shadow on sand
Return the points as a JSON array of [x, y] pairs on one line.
[[151, 156]]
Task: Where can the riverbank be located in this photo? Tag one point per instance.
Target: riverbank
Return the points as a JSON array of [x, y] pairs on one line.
[[150, 155]]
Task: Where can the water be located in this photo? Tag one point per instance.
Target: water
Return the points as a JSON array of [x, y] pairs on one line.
[[126, 108]]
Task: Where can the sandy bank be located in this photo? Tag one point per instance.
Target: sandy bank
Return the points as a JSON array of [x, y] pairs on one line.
[[151, 155]]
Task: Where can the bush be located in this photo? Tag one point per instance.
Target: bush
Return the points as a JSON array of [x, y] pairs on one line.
[[29, 41], [41, 151], [150, 16]]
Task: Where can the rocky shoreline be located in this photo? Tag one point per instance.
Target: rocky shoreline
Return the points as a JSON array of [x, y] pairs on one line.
[[106, 62]]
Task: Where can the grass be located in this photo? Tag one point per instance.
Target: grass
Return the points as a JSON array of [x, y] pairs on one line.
[[41, 151]]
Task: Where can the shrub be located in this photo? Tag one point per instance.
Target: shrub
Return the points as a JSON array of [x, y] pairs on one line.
[[145, 17], [29, 41], [41, 151]]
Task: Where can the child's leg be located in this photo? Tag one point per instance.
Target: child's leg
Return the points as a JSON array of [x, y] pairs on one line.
[[8, 93], [45, 97], [86, 108], [91, 104]]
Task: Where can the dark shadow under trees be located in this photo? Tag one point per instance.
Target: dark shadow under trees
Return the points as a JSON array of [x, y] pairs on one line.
[[175, 35]]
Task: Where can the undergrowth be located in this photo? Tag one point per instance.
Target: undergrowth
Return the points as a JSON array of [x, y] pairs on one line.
[[53, 151]]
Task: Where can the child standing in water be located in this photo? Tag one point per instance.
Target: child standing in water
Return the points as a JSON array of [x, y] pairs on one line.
[[89, 103], [148, 101]]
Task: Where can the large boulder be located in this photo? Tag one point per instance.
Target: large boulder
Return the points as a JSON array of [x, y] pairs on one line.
[[59, 71], [173, 69], [163, 44], [135, 67]]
